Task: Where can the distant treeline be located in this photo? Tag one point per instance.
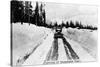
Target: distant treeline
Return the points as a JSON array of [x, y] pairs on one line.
[[21, 11], [76, 24]]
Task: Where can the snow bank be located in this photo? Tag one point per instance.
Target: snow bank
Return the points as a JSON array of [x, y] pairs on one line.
[[25, 37], [87, 39]]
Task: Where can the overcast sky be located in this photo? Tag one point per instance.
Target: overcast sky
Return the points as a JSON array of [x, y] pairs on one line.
[[58, 12], [87, 14]]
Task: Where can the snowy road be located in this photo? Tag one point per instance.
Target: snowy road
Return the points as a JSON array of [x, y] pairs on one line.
[[40, 53], [61, 49], [82, 53]]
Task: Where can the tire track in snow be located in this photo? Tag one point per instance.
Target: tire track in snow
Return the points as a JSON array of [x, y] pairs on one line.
[[40, 53]]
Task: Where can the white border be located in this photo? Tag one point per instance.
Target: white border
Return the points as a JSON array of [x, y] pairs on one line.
[[5, 33]]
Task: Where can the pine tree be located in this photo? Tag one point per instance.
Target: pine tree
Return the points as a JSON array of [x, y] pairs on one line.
[[36, 14], [77, 24], [71, 24], [55, 24], [44, 16], [67, 24], [16, 11], [80, 25]]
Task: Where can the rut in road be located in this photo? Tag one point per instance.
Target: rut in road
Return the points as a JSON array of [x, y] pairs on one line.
[[53, 53], [69, 51]]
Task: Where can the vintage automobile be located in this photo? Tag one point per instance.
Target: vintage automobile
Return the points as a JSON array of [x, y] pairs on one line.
[[58, 33]]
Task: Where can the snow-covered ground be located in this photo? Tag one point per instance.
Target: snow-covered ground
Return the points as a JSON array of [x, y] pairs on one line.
[[28, 37], [83, 55], [86, 38], [25, 38], [39, 55]]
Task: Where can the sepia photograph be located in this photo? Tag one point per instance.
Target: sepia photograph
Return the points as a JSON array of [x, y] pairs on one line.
[[45, 33]]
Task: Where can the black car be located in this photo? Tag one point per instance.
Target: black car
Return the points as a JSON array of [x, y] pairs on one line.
[[58, 33]]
